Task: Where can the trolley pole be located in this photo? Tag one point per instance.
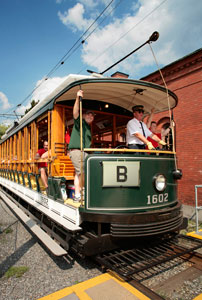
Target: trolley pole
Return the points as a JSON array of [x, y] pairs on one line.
[[153, 38]]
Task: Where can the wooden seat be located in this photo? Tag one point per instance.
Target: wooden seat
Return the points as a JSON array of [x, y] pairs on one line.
[[59, 148], [33, 182], [26, 179], [63, 167], [16, 177], [26, 182], [41, 185], [20, 179]]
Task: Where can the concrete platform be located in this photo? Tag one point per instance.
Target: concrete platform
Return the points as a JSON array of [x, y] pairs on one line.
[[107, 286], [190, 212]]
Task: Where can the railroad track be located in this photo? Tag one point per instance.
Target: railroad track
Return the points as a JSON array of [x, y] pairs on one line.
[[139, 265]]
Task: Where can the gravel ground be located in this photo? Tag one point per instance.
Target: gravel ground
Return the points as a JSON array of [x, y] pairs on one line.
[[187, 290], [46, 274]]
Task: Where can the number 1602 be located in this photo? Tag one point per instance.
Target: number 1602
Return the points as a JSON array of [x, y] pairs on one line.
[[160, 198]]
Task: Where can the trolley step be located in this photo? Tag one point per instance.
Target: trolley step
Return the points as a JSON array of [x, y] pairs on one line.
[[42, 235]]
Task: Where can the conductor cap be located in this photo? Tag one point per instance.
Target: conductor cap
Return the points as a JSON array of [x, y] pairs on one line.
[[137, 108]]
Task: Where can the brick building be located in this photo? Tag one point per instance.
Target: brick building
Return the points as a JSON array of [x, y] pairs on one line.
[[184, 77]]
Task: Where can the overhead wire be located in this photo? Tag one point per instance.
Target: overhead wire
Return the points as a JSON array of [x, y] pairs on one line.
[[65, 57], [101, 54], [103, 20], [26, 98], [83, 41]]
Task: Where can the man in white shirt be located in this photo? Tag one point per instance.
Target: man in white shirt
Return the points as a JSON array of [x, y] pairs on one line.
[[137, 131]]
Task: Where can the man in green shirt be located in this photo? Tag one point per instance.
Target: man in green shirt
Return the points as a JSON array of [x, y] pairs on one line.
[[74, 144]]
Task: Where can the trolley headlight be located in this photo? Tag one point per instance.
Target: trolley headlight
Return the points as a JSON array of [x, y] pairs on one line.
[[160, 182]]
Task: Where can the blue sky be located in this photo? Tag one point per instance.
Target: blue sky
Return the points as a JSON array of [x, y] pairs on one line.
[[36, 34]]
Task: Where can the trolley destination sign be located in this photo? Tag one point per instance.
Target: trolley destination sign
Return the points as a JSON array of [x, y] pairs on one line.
[[121, 173]]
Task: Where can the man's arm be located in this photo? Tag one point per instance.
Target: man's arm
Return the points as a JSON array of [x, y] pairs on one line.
[[164, 132], [144, 140], [76, 104], [46, 154], [157, 139], [141, 137]]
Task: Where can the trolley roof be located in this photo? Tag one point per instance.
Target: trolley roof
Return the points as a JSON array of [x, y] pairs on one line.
[[122, 92]]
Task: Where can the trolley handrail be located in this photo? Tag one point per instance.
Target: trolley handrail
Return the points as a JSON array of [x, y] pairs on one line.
[[126, 150]]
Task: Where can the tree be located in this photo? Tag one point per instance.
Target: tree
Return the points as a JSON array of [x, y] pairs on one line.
[[33, 103], [3, 129]]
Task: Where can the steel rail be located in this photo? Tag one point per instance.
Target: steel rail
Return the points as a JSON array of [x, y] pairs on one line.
[[141, 261]]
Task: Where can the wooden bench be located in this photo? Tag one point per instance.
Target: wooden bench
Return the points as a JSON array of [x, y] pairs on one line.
[[63, 167]]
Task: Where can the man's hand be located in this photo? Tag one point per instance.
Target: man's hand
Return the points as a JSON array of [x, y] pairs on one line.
[[150, 146], [80, 93], [162, 143], [76, 104], [37, 156]]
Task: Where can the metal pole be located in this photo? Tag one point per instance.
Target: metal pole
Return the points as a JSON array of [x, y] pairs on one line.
[[81, 144], [196, 206]]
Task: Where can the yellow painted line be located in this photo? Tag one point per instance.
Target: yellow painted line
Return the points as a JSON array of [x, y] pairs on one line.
[[195, 235], [199, 297], [58, 295], [79, 289]]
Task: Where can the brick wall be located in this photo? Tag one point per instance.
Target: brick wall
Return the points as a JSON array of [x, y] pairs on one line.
[[184, 77]]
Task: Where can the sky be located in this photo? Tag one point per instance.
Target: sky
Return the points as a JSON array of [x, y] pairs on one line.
[[37, 35]]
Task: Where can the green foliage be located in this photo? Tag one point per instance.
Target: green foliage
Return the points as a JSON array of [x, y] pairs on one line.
[[33, 103], [8, 230], [16, 271], [3, 129]]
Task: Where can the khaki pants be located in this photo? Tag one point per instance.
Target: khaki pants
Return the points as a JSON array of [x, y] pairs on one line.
[[75, 156]]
